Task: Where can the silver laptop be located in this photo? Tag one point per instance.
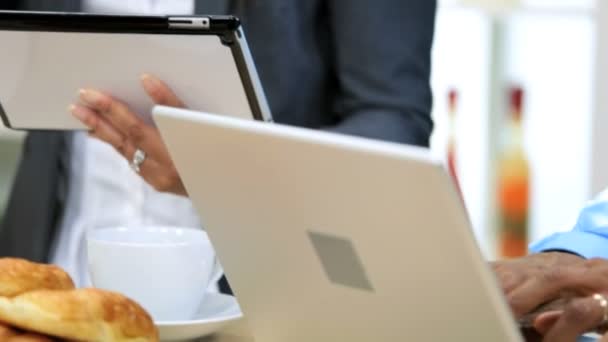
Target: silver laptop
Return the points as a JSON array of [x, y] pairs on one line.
[[326, 237]]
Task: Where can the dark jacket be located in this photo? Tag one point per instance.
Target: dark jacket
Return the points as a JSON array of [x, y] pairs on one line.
[[352, 66]]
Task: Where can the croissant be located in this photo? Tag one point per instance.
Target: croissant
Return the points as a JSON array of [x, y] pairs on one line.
[[38, 302]]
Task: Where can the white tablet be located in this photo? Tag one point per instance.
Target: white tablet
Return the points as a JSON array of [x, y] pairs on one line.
[[47, 57]]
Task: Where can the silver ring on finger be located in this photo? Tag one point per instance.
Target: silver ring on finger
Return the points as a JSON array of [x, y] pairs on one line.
[[138, 158]]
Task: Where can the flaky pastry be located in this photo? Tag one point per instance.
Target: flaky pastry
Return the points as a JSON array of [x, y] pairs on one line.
[[38, 302], [18, 276]]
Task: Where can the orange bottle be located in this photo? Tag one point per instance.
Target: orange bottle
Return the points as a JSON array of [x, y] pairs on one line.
[[451, 145], [513, 184]]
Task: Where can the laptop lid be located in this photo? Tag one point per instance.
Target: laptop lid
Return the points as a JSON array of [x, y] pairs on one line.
[[48, 56], [326, 237]]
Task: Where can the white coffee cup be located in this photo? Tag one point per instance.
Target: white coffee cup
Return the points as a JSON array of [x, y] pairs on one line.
[[164, 269]]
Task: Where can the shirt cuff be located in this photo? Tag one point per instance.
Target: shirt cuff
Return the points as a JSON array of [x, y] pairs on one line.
[[585, 244]]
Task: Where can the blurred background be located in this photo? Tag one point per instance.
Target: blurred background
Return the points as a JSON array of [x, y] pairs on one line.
[[526, 106], [518, 114]]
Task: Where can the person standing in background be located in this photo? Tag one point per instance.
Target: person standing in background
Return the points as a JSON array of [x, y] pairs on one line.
[[348, 66]]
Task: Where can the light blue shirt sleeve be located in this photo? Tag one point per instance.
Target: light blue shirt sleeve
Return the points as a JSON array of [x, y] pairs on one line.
[[588, 238]]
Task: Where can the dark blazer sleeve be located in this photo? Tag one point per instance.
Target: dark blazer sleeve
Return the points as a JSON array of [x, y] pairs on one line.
[[37, 196], [382, 62]]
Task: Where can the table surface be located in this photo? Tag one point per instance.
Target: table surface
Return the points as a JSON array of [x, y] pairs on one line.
[[238, 332], [235, 332]]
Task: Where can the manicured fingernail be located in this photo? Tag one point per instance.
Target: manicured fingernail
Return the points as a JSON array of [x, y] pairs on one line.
[[81, 93], [77, 112], [149, 80], [89, 96]]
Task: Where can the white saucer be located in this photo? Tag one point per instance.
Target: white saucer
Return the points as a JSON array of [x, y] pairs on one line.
[[216, 311]]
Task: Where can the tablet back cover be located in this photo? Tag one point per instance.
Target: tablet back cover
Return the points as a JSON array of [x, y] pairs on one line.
[[43, 71]]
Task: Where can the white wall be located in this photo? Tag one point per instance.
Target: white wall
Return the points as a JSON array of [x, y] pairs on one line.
[[599, 168]]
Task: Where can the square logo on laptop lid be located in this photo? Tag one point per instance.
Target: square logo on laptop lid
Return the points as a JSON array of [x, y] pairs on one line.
[[340, 261]]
